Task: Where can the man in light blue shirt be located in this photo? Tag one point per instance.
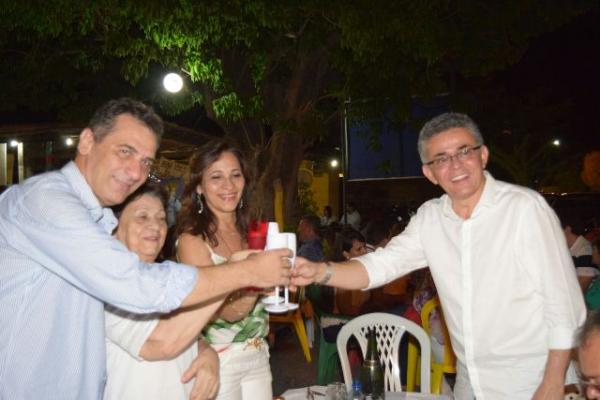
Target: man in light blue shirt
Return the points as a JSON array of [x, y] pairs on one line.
[[60, 263]]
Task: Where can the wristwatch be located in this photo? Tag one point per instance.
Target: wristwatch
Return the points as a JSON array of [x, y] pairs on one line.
[[328, 273]]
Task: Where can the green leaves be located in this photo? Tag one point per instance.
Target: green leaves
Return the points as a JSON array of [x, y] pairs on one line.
[[228, 107], [209, 72], [256, 58]]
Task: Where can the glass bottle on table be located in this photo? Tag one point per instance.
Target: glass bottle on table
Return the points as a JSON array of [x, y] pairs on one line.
[[356, 391], [371, 372]]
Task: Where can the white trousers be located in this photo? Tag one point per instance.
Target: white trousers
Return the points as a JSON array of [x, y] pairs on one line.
[[462, 387], [245, 373]]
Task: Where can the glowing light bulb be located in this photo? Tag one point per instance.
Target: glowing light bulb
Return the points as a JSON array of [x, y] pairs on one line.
[[173, 82]]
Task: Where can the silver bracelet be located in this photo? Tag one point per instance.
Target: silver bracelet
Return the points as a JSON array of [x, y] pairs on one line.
[[328, 273]]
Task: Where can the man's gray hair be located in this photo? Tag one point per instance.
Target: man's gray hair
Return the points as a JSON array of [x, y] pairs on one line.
[[444, 122], [103, 120], [589, 328]]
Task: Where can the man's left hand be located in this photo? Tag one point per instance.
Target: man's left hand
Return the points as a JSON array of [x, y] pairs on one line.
[[552, 386], [550, 391], [205, 368]]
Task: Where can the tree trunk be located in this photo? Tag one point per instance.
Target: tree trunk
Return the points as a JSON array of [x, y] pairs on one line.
[[280, 162]]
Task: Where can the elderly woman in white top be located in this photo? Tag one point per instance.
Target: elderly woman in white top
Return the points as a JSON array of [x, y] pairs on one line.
[[156, 356]]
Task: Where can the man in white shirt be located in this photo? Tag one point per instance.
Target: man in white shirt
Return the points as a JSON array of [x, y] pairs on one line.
[[580, 249], [352, 216], [500, 264], [589, 356]]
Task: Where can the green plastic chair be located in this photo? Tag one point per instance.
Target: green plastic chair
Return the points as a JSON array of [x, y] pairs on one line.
[[328, 368]]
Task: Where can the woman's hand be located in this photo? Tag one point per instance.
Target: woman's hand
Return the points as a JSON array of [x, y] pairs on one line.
[[205, 368]]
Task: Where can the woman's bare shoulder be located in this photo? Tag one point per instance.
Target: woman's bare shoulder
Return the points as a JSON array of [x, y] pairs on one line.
[[193, 249]]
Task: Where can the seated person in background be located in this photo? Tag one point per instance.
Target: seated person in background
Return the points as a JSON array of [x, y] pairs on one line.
[[351, 217], [349, 244], [310, 247], [308, 236], [135, 343], [588, 353], [424, 290], [394, 297], [328, 218], [330, 234], [592, 294], [580, 249], [377, 234], [346, 303]]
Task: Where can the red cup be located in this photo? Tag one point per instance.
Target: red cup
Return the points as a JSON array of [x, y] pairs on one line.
[[257, 235], [257, 240]]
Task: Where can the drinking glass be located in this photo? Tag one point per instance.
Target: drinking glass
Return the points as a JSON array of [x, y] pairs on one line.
[[281, 241], [257, 235], [336, 391], [257, 239]]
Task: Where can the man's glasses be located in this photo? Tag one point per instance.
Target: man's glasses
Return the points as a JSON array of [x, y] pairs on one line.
[[463, 154]]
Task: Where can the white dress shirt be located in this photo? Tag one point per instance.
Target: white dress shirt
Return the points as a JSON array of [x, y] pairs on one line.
[[352, 219], [581, 247], [505, 278]]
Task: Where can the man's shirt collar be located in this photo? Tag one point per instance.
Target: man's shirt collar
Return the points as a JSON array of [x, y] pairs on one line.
[[82, 189]]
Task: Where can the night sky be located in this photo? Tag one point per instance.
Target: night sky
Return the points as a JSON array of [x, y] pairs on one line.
[[567, 62]]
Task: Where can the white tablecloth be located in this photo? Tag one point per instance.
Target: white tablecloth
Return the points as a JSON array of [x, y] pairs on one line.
[[300, 394]]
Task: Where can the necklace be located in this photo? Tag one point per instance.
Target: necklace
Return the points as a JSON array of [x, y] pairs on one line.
[[227, 247]]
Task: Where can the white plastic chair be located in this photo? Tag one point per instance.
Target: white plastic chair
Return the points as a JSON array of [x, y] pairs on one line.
[[389, 328]]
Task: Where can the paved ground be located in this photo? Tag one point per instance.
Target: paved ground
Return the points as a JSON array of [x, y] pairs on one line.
[[288, 365]]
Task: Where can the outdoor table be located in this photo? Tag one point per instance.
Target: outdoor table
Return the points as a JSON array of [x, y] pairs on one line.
[[301, 394]]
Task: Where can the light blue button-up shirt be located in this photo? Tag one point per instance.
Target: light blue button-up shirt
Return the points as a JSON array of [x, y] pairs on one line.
[[59, 264]]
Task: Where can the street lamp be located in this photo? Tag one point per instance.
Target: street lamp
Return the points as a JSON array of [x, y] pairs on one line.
[[334, 163], [556, 142], [172, 82]]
